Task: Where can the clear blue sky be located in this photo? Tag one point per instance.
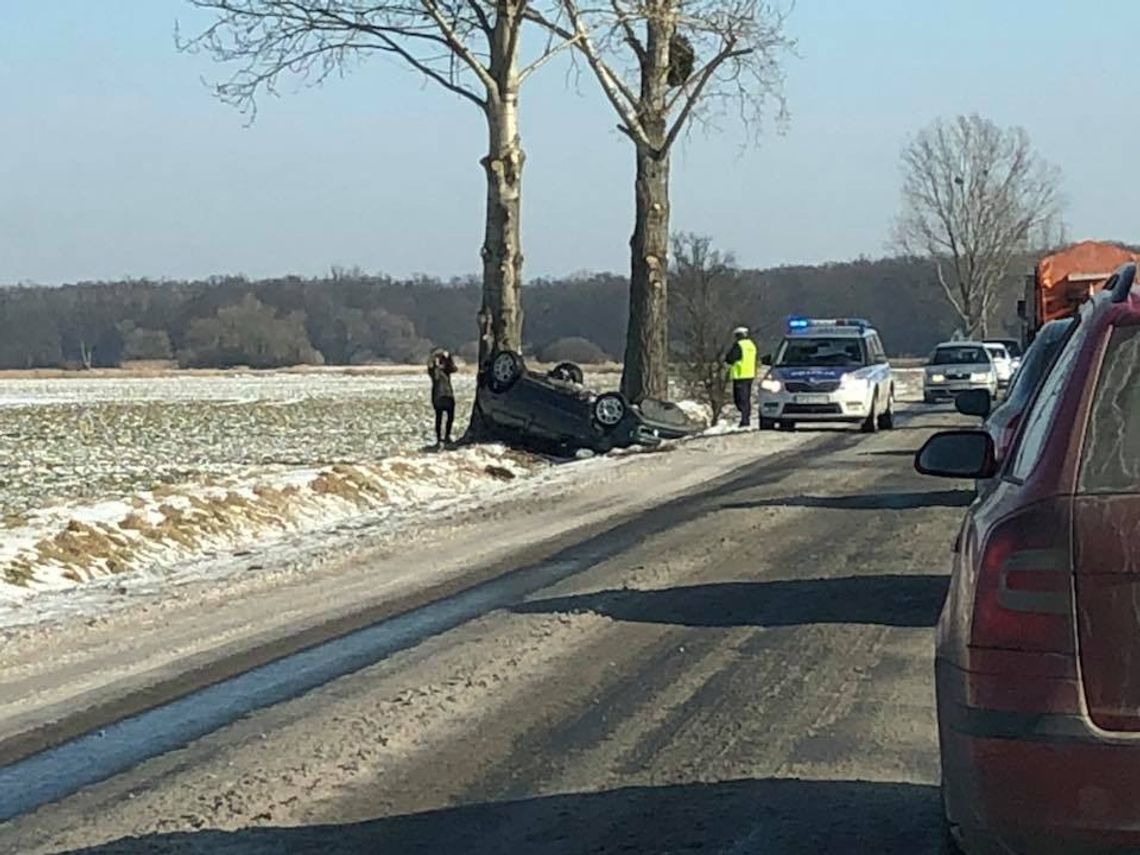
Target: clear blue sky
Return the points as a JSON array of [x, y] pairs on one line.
[[116, 161]]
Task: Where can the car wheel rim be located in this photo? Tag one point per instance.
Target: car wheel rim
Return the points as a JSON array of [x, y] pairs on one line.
[[610, 411], [504, 369]]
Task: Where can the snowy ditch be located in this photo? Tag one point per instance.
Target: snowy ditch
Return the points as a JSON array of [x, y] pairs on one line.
[[144, 480], [65, 546]]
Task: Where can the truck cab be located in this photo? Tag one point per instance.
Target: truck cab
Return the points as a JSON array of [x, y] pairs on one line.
[[1063, 281]]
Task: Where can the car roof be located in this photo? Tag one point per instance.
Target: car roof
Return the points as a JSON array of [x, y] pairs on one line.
[[831, 332], [949, 344]]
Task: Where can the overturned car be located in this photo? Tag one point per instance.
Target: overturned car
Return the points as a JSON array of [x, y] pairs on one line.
[[555, 412]]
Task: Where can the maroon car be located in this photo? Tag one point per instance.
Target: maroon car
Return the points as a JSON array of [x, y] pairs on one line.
[[1038, 648]]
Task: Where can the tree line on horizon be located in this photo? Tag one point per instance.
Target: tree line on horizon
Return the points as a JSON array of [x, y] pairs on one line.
[[355, 318]]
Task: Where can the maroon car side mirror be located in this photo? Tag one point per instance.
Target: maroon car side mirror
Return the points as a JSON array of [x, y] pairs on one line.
[[958, 454]]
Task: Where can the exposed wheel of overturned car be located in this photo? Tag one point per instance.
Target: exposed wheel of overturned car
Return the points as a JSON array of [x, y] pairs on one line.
[[506, 369], [610, 409], [567, 372]]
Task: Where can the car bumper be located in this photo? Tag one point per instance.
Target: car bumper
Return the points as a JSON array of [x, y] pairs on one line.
[[821, 407], [1034, 782], [652, 433], [949, 391]]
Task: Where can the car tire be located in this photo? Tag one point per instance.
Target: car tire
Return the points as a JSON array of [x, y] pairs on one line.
[[506, 369], [887, 419], [609, 410], [871, 423], [567, 372], [767, 424]]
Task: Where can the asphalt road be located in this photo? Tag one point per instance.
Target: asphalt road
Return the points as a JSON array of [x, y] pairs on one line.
[[743, 670]]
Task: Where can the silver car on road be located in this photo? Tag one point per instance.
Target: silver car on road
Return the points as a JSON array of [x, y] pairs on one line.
[[956, 366]]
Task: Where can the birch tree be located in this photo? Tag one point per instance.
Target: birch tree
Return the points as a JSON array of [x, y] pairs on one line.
[[470, 48], [975, 197], [663, 64]]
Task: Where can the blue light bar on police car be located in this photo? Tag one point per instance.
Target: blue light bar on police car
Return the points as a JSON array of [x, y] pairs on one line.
[[795, 324]]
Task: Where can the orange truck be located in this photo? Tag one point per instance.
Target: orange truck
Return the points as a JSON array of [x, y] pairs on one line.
[[1064, 280]]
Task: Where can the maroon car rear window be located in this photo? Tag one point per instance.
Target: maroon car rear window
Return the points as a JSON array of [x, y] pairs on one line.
[[1111, 461]]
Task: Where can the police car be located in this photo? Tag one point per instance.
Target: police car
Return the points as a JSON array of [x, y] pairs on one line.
[[828, 370]]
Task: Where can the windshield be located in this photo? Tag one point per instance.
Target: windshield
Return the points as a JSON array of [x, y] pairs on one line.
[[1012, 347], [820, 352], [997, 351], [959, 356]]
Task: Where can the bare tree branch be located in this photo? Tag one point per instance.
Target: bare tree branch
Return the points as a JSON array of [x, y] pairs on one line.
[[744, 39], [456, 43], [448, 41], [949, 291], [481, 16], [620, 95], [468, 47], [547, 55], [627, 26], [694, 96]]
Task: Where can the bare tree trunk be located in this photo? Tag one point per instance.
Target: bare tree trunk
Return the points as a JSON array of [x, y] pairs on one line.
[[646, 373], [501, 313], [500, 318]]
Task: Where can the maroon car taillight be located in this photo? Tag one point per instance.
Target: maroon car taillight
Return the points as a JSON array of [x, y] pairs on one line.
[[1023, 599]]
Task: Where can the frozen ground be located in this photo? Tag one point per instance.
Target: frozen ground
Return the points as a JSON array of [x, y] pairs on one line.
[[709, 649], [118, 486], [69, 441], [135, 481]]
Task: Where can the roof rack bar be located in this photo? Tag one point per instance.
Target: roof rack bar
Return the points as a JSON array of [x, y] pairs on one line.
[[1125, 276]]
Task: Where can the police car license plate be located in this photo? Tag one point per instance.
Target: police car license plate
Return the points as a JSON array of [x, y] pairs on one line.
[[812, 399]]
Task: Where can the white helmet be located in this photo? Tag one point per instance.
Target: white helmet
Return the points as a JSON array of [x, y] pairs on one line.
[[740, 332]]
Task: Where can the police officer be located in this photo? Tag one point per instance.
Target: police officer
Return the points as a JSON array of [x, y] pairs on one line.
[[742, 368]]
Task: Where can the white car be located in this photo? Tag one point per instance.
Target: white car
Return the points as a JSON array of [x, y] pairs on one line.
[[956, 366], [1003, 362], [833, 370]]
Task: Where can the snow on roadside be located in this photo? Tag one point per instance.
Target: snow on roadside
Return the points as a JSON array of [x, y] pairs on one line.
[[80, 561], [67, 546], [908, 384]]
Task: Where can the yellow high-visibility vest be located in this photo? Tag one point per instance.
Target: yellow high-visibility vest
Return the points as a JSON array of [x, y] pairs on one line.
[[745, 367]]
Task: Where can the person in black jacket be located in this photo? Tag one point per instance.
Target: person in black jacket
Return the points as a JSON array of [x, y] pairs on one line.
[[440, 368]]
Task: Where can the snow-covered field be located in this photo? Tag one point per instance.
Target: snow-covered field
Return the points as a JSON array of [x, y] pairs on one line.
[[183, 475], [105, 476], [79, 440]]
